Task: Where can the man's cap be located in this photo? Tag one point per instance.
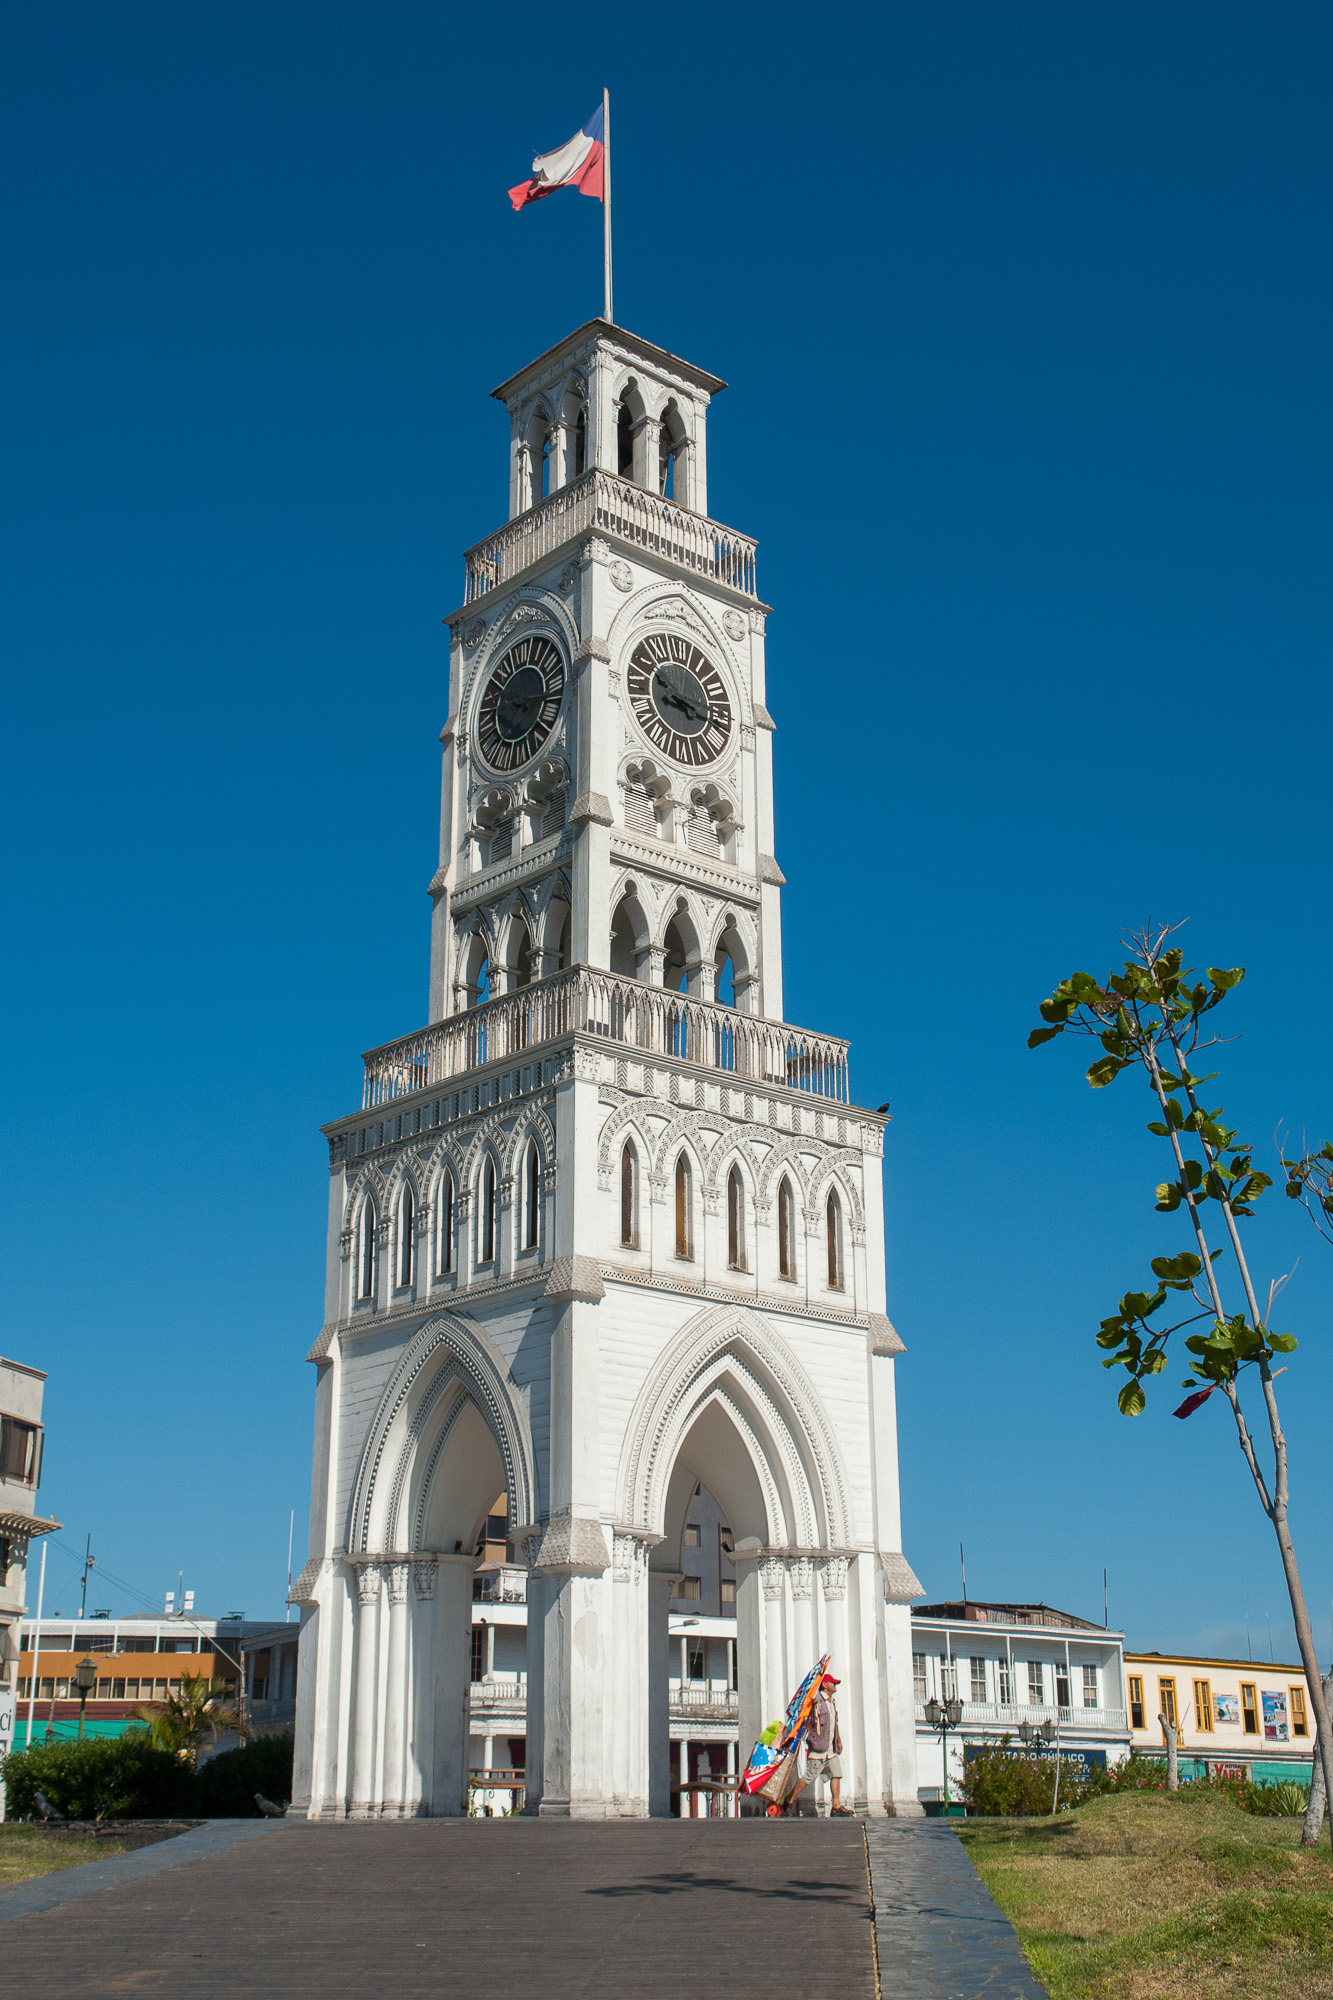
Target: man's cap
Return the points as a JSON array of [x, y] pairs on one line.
[[830, 1681]]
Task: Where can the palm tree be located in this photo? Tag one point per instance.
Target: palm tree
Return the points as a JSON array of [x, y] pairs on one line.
[[203, 1708]]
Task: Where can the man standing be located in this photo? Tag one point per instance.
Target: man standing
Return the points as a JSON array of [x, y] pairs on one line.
[[823, 1745]]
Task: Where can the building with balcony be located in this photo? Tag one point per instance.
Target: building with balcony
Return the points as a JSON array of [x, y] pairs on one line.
[[608, 1229], [1017, 1666], [21, 1442]]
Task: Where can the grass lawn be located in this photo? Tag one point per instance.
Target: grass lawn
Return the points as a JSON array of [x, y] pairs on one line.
[[25, 1851], [1145, 1896]]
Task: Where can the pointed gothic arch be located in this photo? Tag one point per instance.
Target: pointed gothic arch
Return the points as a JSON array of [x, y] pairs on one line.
[[450, 1342], [729, 1356]]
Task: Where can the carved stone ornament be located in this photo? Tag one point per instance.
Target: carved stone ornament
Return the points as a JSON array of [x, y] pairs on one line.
[[833, 1577], [531, 1546], [474, 633], [629, 1559], [587, 1064], [621, 575], [574, 1544], [303, 1590], [569, 576], [900, 1580], [575, 1278], [368, 1583], [395, 1576], [423, 1581], [802, 1577], [733, 625], [884, 1338], [772, 1575]]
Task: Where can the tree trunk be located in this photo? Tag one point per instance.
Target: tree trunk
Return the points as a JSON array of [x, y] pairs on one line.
[[1172, 1758], [1314, 1812]]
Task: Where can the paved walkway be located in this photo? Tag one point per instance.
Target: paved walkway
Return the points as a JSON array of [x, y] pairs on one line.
[[489, 1909], [939, 1932]]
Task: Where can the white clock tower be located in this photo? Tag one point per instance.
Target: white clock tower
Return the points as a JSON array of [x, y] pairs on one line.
[[608, 1229]]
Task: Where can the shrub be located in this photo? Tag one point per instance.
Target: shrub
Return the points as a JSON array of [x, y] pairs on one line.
[[1286, 1800], [225, 1786], [1000, 1782], [120, 1777]]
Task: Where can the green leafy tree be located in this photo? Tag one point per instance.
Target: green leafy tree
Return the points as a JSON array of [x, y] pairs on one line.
[[1152, 1016], [202, 1710]]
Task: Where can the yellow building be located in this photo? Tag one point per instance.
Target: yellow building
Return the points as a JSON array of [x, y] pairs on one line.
[[1231, 1715]]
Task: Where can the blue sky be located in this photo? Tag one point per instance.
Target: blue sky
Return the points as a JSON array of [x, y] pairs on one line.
[[1024, 311]]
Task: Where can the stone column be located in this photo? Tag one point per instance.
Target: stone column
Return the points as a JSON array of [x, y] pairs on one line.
[[396, 1691], [626, 1720], [661, 1583], [536, 1681], [801, 1572], [773, 1580], [365, 1676], [833, 1585], [574, 1557], [421, 1715], [453, 1681]]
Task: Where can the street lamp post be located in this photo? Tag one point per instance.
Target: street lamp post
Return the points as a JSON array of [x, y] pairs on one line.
[[85, 1679], [944, 1716]]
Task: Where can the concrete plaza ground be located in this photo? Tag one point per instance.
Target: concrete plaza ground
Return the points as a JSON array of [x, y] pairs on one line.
[[489, 1909]]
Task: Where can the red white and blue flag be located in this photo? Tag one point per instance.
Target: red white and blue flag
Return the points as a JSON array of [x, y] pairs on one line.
[[576, 164]]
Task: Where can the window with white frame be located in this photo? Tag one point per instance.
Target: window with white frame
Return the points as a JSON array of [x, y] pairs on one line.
[[1089, 1687], [919, 1676], [1036, 1684], [948, 1679], [977, 1679], [1004, 1677]]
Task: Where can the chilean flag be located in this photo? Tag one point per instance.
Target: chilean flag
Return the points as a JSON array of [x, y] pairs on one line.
[[577, 164]]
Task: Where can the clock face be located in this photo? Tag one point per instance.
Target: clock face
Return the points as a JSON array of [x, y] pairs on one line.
[[678, 698], [520, 703]]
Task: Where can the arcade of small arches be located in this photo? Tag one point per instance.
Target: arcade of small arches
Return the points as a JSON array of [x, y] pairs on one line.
[[797, 1218], [704, 819], [507, 819], [677, 948], [506, 947], [457, 1218], [654, 447]]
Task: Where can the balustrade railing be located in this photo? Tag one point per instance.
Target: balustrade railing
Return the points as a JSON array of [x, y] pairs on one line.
[[601, 502], [1015, 1713], [648, 1019]]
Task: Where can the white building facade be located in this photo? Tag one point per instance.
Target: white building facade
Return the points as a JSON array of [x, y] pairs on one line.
[[22, 1438], [1016, 1666], [608, 1228]]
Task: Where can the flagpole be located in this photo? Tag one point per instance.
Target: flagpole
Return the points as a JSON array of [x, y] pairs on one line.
[[608, 312]]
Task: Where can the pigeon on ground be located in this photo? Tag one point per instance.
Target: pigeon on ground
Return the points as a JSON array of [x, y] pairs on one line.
[[45, 1809], [267, 1807]]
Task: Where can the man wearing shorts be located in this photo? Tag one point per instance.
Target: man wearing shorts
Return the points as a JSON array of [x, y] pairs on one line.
[[823, 1746]]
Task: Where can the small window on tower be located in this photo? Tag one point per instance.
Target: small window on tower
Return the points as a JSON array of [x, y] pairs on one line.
[[786, 1232], [487, 1217], [406, 1235], [735, 1220], [531, 1196], [629, 1196], [366, 1251], [624, 443], [444, 1236], [684, 1208]]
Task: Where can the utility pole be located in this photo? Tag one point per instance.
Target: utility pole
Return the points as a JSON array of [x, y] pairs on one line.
[[88, 1561]]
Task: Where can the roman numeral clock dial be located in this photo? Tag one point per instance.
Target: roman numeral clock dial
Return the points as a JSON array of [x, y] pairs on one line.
[[520, 703], [679, 698]]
